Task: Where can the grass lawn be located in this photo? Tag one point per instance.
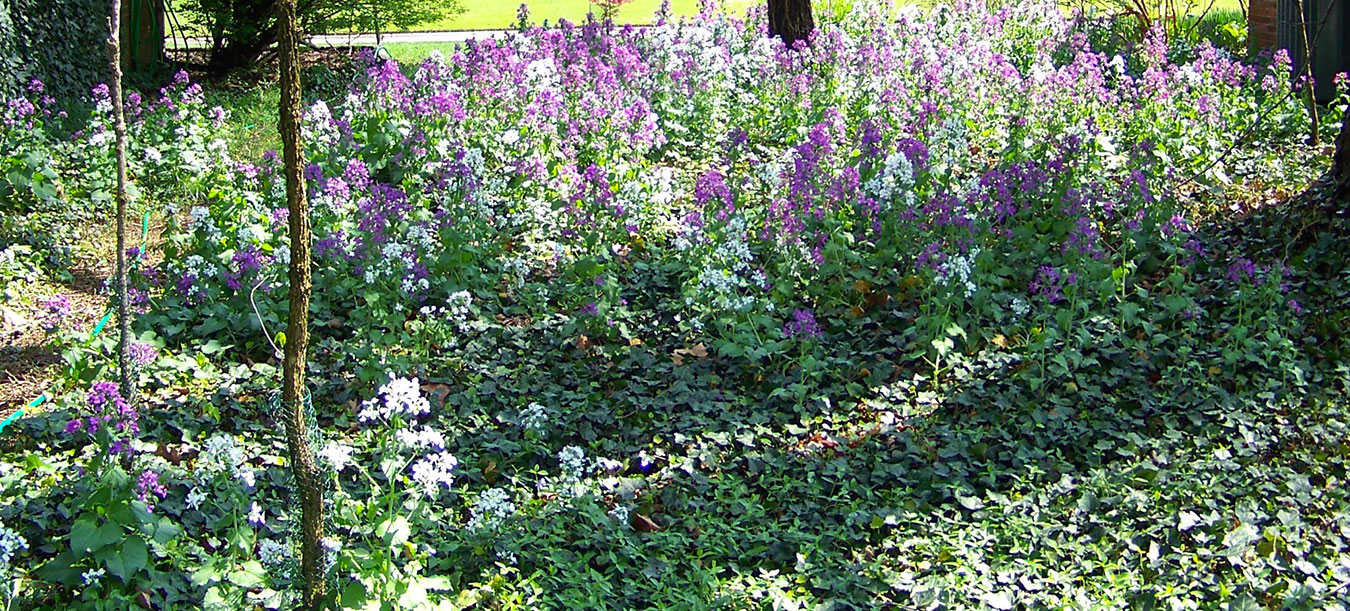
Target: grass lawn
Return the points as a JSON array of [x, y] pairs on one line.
[[501, 14]]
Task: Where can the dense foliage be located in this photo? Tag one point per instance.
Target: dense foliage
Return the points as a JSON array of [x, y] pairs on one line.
[[61, 43], [946, 311], [242, 30]]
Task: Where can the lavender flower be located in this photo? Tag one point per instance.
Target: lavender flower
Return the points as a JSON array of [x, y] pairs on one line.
[[803, 324], [148, 486]]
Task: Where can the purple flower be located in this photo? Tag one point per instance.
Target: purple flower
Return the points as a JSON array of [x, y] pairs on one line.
[[147, 485], [55, 311], [803, 324], [1241, 269], [1047, 283], [143, 353], [110, 412]]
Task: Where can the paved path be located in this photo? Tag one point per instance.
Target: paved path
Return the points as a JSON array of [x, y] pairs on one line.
[[349, 40]]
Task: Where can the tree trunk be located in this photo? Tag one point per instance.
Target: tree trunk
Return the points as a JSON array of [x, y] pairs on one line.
[[120, 132], [791, 20], [1340, 167], [295, 399]]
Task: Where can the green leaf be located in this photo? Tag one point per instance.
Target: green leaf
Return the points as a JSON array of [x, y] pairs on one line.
[[132, 556], [85, 537], [249, 575], [394, 532], [973, 503], [997, 600]]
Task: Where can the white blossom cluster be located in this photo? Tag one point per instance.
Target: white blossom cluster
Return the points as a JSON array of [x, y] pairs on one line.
[[433, 471], [422, 438], [894, 182], [723, 278], [337, 455], [10, 542], [533, 417], [199, 219], [956, 273], [222, 454], [273, 553], [950, 147], [92, 577], [318, 125], [620, 514], [392, 264], [397, 397], [493, 508], [1019, 306], [457, 305], [542, 73], [573, 462]]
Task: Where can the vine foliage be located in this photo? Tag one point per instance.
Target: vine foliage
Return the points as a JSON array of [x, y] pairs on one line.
[[60, 42]]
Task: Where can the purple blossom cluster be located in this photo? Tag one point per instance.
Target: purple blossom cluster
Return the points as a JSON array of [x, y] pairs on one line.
[[110, 412], [802, 325]]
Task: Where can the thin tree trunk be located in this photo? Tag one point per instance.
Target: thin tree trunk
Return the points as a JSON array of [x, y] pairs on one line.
[[1308, 96], [1340, 167], [791, 20], [307, 479], [120, 131]]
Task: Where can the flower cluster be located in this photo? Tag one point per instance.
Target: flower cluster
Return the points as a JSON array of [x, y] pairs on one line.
[[803, 324], [433, 471], [55, 311], [148, 488], [111, 413], [493, 508], [399, 397], [336, 455], [10, 543]]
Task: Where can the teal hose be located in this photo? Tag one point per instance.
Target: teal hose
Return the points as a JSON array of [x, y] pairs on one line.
[[42, 398]]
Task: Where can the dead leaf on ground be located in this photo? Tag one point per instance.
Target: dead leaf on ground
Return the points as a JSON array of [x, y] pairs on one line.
[[643, 523], [438, 390], [697, 351]]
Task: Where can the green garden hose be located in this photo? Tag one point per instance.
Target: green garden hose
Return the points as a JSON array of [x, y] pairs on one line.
[[43, 398]]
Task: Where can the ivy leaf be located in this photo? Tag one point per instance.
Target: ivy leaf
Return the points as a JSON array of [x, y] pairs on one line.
[[1239, 538], [1188, 520], [973, 503], [997, 600]]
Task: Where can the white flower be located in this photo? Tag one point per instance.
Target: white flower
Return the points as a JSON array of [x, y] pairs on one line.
[[331, 547], [92, 576], [435, 470], [246, 476], [10, 542], [494, 506], [255, 515], [222, 454], [511, 137], [272, 553], [533, 417], [337, 455], [398, 396], [195, 498], [573, 462], [620, 515], [426, 437]]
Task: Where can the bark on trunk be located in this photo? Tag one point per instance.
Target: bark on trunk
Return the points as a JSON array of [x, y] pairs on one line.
[[120, 132], [791, 20], [307, 479]]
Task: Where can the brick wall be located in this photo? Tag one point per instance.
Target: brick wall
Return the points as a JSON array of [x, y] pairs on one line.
[[1261, 24]]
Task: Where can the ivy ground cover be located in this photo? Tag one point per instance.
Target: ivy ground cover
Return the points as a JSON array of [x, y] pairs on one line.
[[950, 309]]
